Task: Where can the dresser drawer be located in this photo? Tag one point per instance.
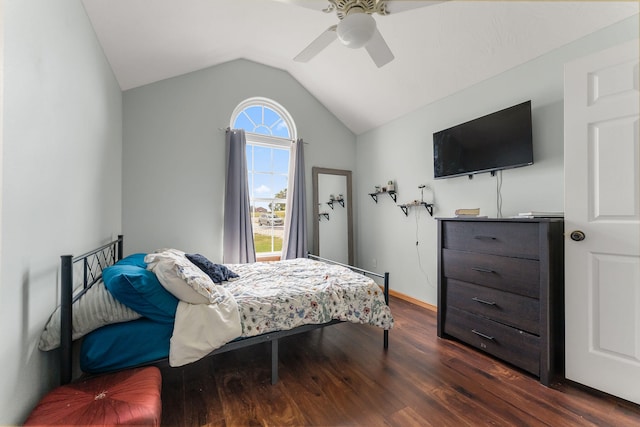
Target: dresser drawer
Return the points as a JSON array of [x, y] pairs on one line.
[[517, 275], [510, 309], [515, 239], [517, 347]]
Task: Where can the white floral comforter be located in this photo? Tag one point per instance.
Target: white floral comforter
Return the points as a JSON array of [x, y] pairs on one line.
[[276, 296], [285, 294]]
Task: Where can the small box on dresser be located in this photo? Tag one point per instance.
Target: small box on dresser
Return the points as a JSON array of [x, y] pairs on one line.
[[501, 289]]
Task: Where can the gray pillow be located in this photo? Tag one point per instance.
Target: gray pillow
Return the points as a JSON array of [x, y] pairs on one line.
[[96, 308]]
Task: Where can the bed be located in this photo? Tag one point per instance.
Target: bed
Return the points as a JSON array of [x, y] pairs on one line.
[[152, 316]]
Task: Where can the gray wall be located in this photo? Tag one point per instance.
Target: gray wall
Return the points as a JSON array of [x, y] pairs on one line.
[[403, 151], [61, 178], [174, 152]]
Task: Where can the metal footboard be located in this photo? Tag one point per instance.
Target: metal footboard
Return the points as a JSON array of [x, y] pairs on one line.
[[384, 276]]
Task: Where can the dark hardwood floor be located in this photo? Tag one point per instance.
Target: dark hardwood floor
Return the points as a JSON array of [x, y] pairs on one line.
[[341, 375]]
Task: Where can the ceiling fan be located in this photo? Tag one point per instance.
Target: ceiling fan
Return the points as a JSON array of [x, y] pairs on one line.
[[356, 29]]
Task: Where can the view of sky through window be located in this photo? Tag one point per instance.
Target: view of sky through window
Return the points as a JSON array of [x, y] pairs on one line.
[[268, 171], [262, 120]]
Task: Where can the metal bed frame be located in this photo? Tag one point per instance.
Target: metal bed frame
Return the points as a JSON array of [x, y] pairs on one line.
[[92, 264]]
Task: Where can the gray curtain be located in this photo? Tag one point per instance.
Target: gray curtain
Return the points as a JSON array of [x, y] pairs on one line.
[[238, 244], [295, 227]]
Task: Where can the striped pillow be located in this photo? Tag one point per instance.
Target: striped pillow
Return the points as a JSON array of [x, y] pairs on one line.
[[96, 308]]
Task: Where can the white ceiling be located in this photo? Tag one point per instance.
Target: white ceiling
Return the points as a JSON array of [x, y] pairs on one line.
[[439, 47]]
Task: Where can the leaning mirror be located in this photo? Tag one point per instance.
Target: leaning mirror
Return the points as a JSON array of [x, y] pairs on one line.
[[332, 214]]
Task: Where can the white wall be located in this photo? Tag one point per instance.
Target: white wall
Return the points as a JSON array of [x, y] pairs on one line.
[[403, 151], [61, 183], [174, 153]]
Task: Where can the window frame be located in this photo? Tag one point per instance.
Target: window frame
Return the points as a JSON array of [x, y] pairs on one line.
[[273, 105], [268, 141]]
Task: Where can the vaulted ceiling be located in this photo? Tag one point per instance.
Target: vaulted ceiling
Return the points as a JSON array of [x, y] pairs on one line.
[[439, 47]]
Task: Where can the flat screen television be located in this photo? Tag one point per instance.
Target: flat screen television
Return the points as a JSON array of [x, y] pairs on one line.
[[499, 140]]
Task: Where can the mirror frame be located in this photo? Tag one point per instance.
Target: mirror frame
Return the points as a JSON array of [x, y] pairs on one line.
[[349, 206]]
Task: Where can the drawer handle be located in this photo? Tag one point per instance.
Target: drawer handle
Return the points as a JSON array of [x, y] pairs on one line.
[[482, 269], [476, 299], [482, 335], [485, 237]]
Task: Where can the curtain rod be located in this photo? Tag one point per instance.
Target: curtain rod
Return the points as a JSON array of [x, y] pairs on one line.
[[265, 136]]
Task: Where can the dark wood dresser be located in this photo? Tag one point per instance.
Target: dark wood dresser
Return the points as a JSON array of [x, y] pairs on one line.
[[501, 289]]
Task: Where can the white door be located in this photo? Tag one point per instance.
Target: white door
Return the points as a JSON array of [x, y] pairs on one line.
[[602, 201]]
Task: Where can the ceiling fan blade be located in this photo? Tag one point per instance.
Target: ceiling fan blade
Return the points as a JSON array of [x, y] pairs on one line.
[[316, 46], [397, 6], [318, 5], [379, 50]]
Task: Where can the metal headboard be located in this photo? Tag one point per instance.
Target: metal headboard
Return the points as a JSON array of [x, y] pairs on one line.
[[92, 263]]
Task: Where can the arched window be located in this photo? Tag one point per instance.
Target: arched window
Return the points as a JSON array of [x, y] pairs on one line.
[[270, 131]]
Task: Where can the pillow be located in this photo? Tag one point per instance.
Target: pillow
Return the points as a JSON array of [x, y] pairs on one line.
[[218, 272], [125, 345], [181, 277], [94, 309], [133, 259], [167, 274], [140, 290]]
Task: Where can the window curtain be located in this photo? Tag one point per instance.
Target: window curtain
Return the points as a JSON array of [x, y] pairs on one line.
[[238, 244], [295, 227]]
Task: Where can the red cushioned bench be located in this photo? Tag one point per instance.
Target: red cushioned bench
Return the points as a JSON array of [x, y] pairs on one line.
[[130, 397]]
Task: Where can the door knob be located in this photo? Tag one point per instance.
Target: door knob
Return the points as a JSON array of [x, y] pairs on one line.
[[577, 235]]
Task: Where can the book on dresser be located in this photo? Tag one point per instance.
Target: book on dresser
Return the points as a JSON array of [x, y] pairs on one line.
[[461, 213], [501, 289]]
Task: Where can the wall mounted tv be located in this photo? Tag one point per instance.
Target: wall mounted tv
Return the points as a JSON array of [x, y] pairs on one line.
[[500, 140]]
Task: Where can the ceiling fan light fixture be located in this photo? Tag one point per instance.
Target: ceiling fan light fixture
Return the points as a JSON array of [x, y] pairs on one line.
[[356, 29]]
